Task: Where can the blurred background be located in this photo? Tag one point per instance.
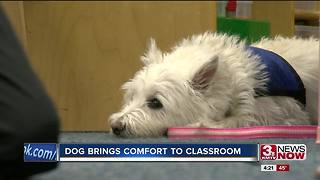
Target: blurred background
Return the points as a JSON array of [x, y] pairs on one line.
[[84, 51]]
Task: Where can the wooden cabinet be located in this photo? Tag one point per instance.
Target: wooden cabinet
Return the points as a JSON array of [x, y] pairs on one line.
[[84, 51], [280, 14]]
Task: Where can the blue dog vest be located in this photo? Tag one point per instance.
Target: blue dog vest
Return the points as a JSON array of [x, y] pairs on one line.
[[283, 79]]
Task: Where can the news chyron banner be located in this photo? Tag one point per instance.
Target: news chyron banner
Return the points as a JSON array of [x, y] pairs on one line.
[[163, 152], [40, 152], [141, 152]]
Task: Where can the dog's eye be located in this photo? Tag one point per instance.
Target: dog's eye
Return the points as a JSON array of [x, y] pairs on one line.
[[154, 103]]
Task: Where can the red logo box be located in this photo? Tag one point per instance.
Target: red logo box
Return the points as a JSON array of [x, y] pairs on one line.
[[268, 152]]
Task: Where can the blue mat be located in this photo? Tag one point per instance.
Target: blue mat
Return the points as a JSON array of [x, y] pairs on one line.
[[300, 170]]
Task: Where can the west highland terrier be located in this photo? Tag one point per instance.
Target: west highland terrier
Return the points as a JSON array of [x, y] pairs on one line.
[[215, 80]]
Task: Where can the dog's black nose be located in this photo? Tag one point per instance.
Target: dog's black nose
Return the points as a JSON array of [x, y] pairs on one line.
[[118, 127]]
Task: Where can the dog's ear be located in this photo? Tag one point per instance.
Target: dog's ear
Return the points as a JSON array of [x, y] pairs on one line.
[[153, 54], [204, 75]]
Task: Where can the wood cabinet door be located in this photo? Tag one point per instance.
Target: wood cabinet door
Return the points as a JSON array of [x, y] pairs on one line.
[[84, 51]]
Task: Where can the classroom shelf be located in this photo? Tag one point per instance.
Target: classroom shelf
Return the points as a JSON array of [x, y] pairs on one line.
[[306, 15]]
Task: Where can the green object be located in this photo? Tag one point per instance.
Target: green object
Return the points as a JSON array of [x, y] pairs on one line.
[[249, 30]]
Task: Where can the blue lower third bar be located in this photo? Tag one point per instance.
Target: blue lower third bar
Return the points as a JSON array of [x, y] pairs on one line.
[[158, 152], [40, 152]]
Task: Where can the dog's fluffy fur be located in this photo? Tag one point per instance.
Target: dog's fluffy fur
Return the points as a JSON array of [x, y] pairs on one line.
[[208, 80]]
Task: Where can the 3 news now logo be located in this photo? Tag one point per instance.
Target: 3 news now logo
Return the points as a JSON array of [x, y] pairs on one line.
[[283, 151]]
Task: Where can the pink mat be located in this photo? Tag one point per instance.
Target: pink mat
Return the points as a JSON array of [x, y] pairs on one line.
[[318, 133], [304, 131]]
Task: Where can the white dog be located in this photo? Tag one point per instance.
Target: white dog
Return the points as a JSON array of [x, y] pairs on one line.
[[214, 80]]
